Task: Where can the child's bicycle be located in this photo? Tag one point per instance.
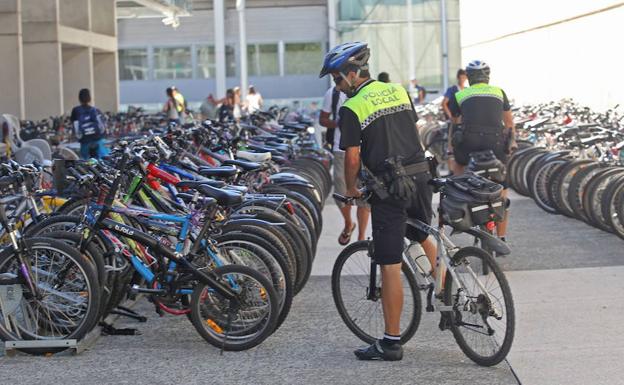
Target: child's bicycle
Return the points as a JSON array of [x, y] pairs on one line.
[[477, 308]]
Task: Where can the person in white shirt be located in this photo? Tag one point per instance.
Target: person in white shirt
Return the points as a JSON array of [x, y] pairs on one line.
[[254, 100], [332, 102]]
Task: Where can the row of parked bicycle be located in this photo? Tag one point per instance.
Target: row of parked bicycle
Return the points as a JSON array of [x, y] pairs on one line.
[[218, 222], [570, 159], [571, 162]]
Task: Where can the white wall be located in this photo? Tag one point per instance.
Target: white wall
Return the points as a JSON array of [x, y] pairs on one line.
[[582, 58]]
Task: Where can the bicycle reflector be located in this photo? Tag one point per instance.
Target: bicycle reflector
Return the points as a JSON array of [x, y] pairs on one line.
[[491, 225], [290, 208]]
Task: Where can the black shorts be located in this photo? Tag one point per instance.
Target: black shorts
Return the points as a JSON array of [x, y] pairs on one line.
[[389, 229], [472, 142]]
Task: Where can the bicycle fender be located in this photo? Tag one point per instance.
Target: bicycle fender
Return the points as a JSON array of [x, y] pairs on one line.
[[239, 220], [490, 241]]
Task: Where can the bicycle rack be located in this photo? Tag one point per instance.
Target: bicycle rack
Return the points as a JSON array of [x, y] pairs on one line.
[[10, 297]]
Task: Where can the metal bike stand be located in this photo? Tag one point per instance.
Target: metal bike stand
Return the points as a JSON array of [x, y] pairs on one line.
[[11, 347], [72, 346]]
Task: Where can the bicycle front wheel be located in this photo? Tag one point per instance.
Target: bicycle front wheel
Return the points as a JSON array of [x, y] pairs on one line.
[[483, 321], [240, 325], [363, 315], [67, 303]]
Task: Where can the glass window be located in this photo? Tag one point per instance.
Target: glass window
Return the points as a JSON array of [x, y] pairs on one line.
[[206, 67], [172, 63], [206, 63], [302, 58], [133, 64], [262, 60]]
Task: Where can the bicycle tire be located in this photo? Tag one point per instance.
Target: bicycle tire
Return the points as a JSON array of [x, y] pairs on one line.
[[90, 318], [509, 312], [243, 342], [592, 199], [409, 328]]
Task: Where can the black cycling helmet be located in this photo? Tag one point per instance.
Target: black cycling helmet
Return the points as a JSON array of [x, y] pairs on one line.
[[478, 72]]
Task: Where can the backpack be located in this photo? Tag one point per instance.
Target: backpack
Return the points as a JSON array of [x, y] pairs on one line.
[[88, 127]]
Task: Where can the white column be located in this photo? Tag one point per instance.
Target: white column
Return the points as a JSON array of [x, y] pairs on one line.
[[445, 64], [331, 22], [242, 41], [219, 21], [411, 50], [280, 54]]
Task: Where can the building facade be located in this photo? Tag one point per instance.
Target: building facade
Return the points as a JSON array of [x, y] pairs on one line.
[[285, 44], [51, 49], [286, 41]]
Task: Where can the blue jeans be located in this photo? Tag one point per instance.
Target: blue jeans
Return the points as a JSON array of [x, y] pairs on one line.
[[94, 149]]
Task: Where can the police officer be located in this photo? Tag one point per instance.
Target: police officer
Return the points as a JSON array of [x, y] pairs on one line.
[[486, 122], [379, 135]]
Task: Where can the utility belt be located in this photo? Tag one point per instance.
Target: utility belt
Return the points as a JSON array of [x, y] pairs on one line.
[[480, 134], [398, 181]]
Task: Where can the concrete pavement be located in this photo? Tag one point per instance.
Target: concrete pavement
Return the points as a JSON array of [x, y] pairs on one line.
[[564, 276]]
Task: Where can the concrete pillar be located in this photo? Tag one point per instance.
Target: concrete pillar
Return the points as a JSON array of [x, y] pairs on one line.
[[104, 17], [77, 74], [331, 22], [43, 80], [242, 39], [76, 13], [105, 84], [11, 75], [219, 25], [42, 66]]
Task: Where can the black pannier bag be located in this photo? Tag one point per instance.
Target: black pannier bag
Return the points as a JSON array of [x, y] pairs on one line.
[[485, 163], [471, 200]]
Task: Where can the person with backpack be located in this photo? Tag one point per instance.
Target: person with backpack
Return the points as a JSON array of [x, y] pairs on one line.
[[89, 127], [175, 106]]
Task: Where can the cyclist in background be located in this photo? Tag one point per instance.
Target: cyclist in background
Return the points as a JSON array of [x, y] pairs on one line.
[[482, 121]]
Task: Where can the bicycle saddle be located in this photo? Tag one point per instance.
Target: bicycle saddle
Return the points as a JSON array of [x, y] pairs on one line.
[[223, 197], [194, 183], [218, 172], [254, 156], [246, 166]]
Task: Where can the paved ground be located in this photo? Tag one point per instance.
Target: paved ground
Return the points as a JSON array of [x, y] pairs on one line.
[[563, 276]]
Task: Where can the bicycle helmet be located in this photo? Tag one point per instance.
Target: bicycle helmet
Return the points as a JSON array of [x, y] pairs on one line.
[[478, 72], [346, 55]]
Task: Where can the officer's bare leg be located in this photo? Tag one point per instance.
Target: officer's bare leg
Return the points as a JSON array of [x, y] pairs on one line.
[[392, 297], [501, 228], [431, 250]]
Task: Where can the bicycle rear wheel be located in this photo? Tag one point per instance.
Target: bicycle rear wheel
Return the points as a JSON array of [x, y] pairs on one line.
[[350, 288], [485, 330]]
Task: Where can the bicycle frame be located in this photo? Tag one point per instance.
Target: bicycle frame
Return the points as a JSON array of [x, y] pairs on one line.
[[443, 262], [95, 218]]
